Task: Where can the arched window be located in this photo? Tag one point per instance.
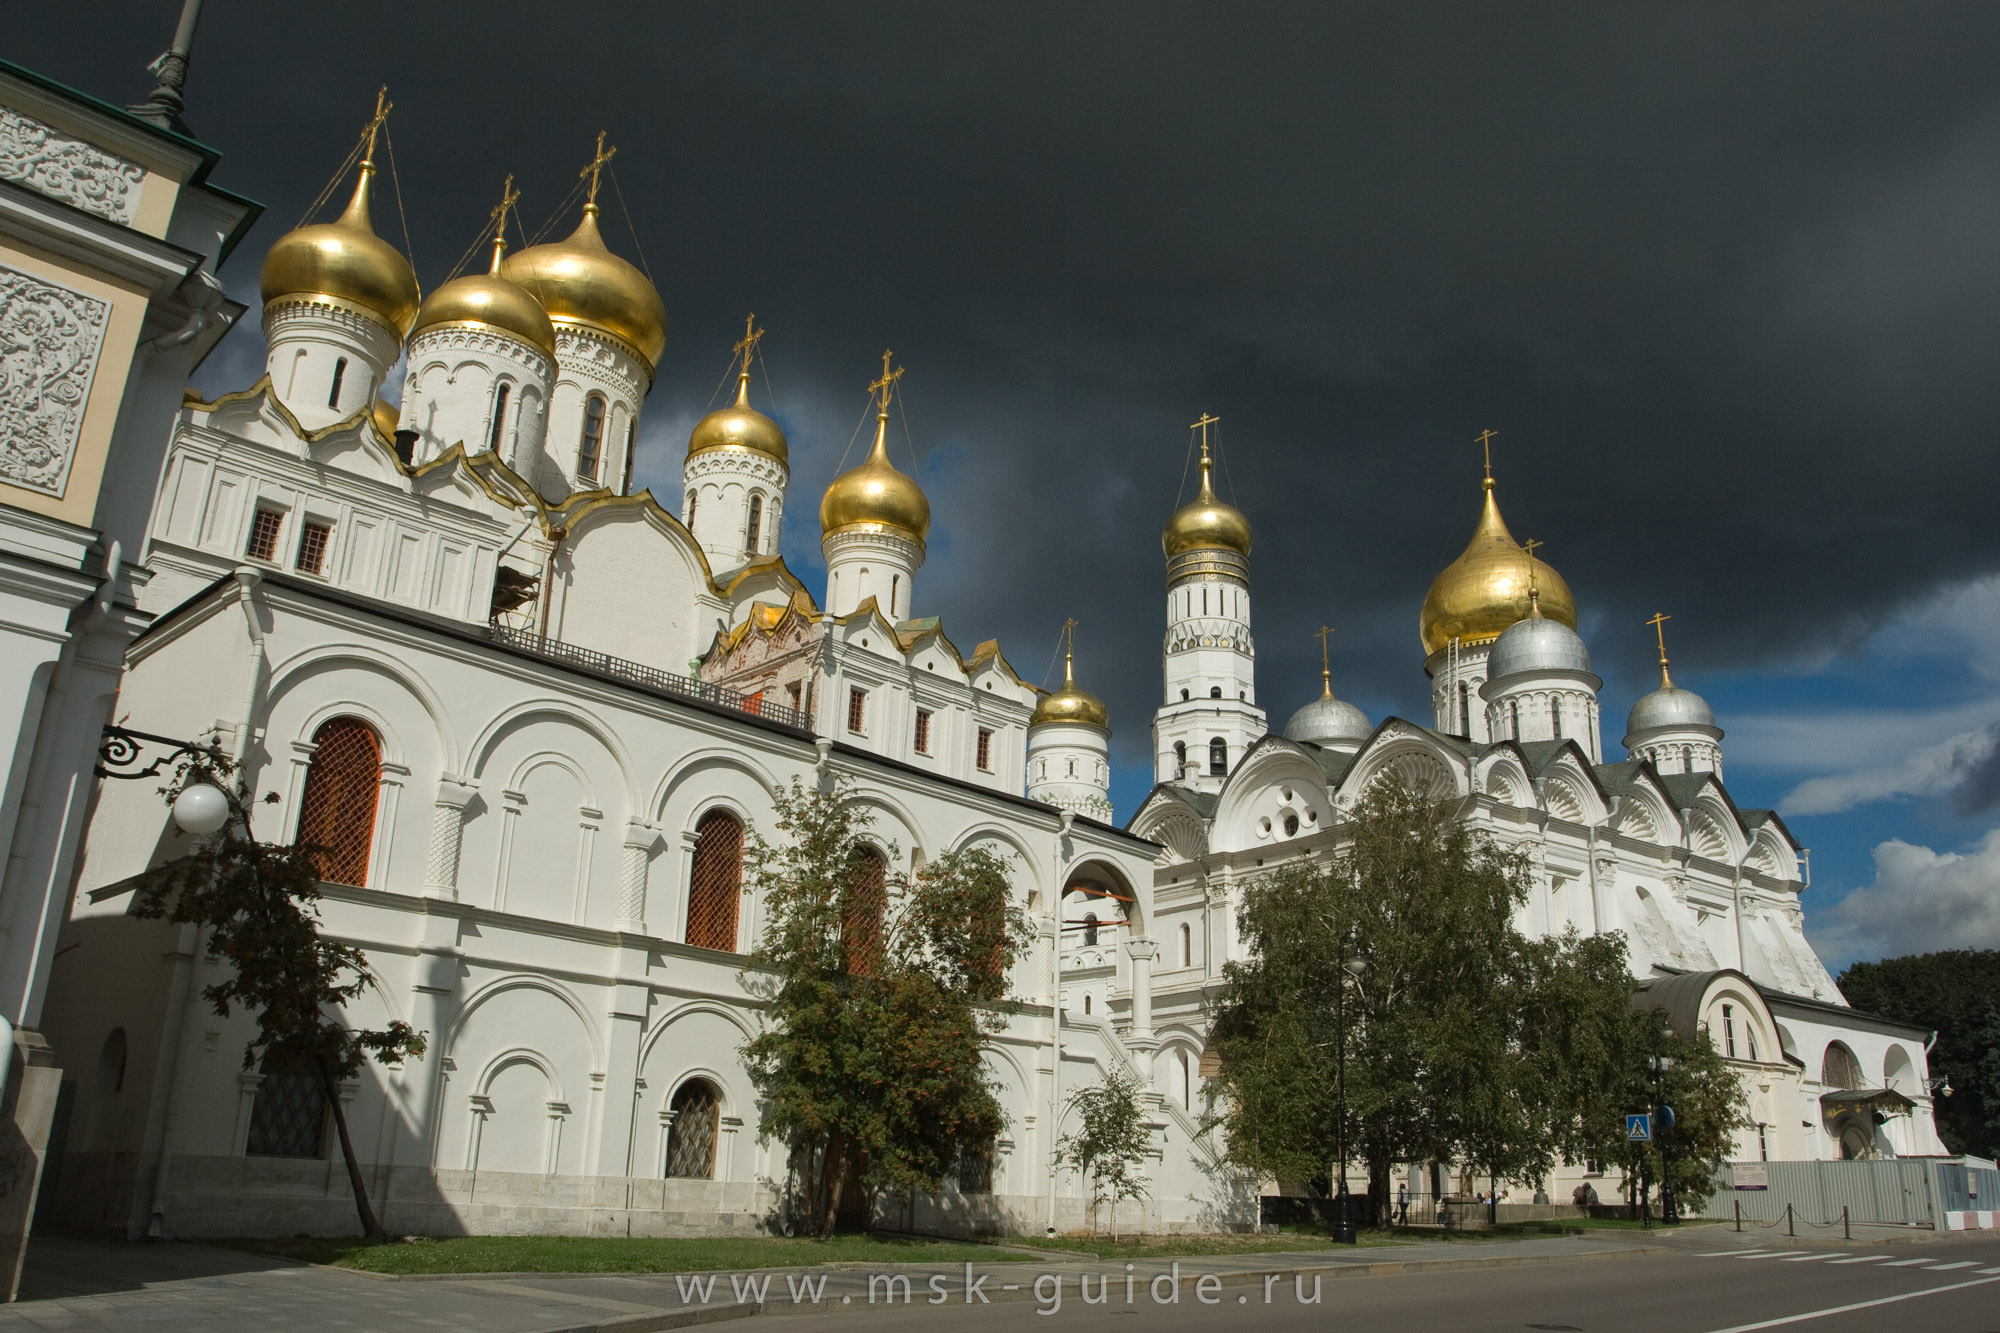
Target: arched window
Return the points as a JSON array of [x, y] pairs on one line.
[[1090, 927], [697, 1111], [1839, 1069], [1187, 945], [631, 450], [1215, 691], [1515, 708], [756, 528], [590, 452], [867, 900], [1464, 709], [1556, 717], [1184, 695], [337, 814], [716, 881], [1687, 759], [1218, 757], [1187, 1078], [500, 397], [339, 374], [692, 497], [1180, 755], [1086, 1004], [895, 590]]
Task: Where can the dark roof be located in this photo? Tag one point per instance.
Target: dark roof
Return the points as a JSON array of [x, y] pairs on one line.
[[1538, 755]]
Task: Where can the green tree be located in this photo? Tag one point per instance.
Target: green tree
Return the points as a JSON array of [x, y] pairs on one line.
[[1466, 1042], [1110, 1141], [258, 905], [1955, 993], [1708, 1105], [883, 988]]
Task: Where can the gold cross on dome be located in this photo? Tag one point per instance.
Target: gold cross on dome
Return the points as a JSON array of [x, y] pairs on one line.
[[747, 348], [1534, 591], [596, 167], [1485, 438], [887, 384], [1658, 622], [383, 106], [1202, 426], [1323, 633], [509, 196]]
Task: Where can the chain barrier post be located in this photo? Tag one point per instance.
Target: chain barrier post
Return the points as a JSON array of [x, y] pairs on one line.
[[1739, 1214], [1845, 1231], [1790, 1230]]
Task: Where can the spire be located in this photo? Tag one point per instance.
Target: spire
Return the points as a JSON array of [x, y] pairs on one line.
[[509, 196], [595, 172], [746, 349], [1534, 587], [1658, 622], [884, 389], [356, 215], [1069, 654], [1207, 490], [163, 106], [1323, 633]]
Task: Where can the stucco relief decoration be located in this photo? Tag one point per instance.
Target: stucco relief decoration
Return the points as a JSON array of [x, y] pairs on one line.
[[77, 173], [49, 342]]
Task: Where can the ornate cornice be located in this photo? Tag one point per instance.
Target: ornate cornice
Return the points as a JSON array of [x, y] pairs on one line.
[[470, 337]]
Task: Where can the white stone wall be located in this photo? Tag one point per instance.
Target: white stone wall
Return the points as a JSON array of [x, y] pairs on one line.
[[452, 391], [307, 341]]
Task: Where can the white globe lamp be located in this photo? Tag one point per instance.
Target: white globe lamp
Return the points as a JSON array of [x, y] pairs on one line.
[[201, 809]]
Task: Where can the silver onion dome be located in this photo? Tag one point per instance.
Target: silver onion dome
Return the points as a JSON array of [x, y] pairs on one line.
[[1329, 721], [1669, 706], [1537, 644]]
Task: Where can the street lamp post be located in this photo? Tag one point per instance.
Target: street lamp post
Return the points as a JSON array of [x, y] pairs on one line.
[[1663, 1125], [1343, 1203]]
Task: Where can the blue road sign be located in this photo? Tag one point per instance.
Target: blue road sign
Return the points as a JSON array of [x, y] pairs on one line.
[[1639, 1128]]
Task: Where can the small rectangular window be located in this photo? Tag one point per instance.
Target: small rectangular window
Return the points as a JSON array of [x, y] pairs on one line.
[[857, 709], [983, 753], [264, 526], [923, 736], [314, 538], [792, 690], [1763, 1144]]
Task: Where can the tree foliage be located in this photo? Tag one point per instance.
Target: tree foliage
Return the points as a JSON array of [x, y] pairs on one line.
[[258, 904], [1466, 1041], [870, 1066], [1706, 1096], [1956, 993], [1110, 1141]]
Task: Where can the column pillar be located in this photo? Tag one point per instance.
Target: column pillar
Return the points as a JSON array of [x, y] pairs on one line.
[[447, 833], [641, 841], [616, 1146], [1141, 951]]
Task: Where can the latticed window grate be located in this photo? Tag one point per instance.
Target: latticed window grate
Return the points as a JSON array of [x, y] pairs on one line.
[[857, 709], [974, 1171], [923, 736], [337, 816], [983, 755], [313, 541], [288, 1118], [717, 880], [861, 915], [263, 543], [1840, 1069], [691, 1141], [592, 446]]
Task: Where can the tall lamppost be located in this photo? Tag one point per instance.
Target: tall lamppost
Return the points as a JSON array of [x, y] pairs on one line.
[[1663, 1124], [1343, 1203]]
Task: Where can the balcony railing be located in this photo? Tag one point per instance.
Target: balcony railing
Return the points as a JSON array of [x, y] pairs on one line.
[[652, 678]]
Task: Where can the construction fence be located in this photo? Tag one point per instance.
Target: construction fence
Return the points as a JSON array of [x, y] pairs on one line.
[[1908, 1191]]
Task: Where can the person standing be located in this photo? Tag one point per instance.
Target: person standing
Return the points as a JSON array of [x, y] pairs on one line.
[[1403, 1204]]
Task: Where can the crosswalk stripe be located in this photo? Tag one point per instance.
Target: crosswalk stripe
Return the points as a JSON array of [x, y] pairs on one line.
[[1719, 1254], [1989, 1270], [1939, 1268], [1773, 1254], [1908, 1263], [1806, 1258], [1863, 1259]]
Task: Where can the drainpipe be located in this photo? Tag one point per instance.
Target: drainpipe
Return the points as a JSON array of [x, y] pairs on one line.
[[1063, 823], [247, 580]]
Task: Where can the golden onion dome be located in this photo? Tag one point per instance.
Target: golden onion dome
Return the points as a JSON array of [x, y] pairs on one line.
[[1206, 523], [875, 497], [739, 426], [387, 419], [346, 263], [581, 283], [492, 302], [1485, 590], [1069, 704]]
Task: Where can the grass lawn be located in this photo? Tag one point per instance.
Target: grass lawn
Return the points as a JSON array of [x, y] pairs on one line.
[[581, 1254]]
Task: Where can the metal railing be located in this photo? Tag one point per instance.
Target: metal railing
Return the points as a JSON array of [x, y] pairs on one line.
[[648, 677]]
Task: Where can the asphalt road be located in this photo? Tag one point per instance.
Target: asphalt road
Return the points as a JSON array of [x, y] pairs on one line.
[[1711, 1283]]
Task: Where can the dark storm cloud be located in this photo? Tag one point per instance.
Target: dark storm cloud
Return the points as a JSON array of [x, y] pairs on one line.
[[1725, 279]]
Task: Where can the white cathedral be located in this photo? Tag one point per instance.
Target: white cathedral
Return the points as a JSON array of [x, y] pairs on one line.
[[532, 714]]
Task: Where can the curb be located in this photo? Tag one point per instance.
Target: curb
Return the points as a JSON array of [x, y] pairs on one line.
[[650, 1323]]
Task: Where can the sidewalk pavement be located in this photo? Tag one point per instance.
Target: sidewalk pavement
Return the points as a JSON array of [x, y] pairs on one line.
[[77, 1285]]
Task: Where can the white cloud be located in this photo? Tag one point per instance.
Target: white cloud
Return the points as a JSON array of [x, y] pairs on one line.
[[1935, 770], [1921, 901]]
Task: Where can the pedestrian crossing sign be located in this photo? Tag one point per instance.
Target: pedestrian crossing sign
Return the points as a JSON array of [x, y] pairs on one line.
[[1639, 1128]]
